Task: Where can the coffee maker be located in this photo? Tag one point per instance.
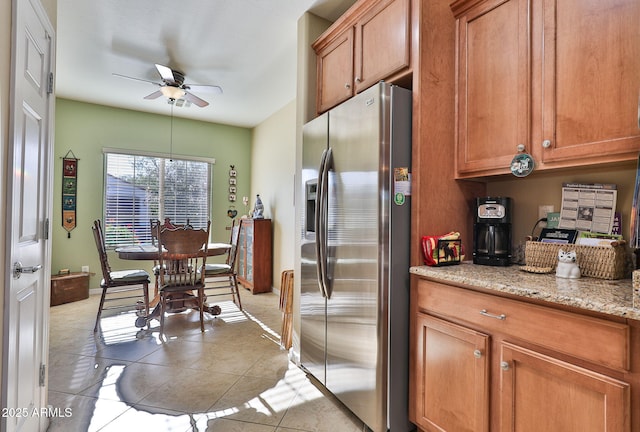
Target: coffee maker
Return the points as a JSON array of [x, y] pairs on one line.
[[492, 231]]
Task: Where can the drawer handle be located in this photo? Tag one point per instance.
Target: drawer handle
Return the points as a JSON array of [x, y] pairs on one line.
[[487, 314]]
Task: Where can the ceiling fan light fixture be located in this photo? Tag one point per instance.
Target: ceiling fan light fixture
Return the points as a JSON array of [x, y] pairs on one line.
[[172, 92]]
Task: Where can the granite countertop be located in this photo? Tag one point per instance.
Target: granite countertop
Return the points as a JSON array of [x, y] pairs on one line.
[[612, 297]]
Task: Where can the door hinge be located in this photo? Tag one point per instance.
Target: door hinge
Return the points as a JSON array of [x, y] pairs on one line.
[[46, 229], [43, 373], [50, 84]]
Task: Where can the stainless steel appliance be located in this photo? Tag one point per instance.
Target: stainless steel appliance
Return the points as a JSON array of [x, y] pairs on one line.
[[355, 254], [492, 231]]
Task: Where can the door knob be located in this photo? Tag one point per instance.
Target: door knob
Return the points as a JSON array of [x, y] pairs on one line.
[[18, 269], [504, 365]]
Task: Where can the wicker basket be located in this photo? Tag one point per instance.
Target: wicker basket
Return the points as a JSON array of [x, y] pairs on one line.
[[603, 262]]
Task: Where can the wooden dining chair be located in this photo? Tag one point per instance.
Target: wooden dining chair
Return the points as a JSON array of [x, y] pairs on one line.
[[154, 225], [181, 251], [222, 279], [118, 286]]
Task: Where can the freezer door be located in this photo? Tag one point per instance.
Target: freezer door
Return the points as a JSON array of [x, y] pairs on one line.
[[355, 335], [312, 300]]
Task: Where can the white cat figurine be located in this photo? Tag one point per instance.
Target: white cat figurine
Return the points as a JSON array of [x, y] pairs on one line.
[[567, 265]]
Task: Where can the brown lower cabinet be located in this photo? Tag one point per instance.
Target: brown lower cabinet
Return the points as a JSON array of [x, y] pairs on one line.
[[481, 362]]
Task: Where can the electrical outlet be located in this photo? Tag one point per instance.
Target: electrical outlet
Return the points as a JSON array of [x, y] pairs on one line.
[[85, 269], [544, 209]]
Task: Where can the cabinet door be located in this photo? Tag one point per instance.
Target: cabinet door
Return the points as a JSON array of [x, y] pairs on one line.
[[383, 41], [242, 251], [246, 253], [249, 252], [591, 81], [493, 85], [540, 393], [455, 358], [335, 71]]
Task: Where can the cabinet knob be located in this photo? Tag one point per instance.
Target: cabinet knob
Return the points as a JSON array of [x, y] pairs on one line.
[[504, 365], [546, 143], [347, 85], [358, 79], [477, 353]]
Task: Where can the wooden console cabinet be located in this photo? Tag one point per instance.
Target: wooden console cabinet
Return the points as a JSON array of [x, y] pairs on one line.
[[482, 363], [254, 255], [69, 288]]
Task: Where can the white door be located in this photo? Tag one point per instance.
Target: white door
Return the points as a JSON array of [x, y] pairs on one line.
[[29, 191]]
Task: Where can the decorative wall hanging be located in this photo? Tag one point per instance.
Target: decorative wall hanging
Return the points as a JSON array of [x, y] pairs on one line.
[[522, 164], [69, 191], [232, 212]]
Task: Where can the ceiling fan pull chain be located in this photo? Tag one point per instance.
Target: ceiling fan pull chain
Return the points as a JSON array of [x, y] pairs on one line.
[[171, 137]]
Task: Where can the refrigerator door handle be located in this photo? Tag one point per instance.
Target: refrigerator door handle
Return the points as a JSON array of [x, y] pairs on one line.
[[324, 246], [319, 214]]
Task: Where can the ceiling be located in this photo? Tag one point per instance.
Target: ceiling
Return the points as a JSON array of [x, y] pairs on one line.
[[247, 47]]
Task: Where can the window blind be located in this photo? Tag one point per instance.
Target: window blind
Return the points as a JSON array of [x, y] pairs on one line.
[[139, 188]]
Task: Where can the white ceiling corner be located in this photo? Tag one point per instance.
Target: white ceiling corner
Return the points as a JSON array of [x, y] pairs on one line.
[[248, 47]]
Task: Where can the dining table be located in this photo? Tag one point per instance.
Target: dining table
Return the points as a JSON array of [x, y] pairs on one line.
[[149, 252]]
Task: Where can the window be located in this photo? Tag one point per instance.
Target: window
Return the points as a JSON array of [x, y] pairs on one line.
[[141, 187]]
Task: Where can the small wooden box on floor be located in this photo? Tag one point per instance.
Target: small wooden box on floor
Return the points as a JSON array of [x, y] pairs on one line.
[[69, 288]]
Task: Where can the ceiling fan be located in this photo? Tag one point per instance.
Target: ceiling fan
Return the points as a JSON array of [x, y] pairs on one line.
[[174, 88]]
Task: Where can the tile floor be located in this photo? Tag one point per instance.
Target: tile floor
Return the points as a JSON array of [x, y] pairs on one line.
[[234, 377]]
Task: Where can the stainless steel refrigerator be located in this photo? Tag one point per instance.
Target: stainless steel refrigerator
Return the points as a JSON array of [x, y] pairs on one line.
[[355, 254]]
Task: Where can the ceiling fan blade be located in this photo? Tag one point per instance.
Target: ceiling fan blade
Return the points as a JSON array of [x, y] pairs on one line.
[[166, 73], [195, 100], [154, 95], [204, 88], [136, 79]]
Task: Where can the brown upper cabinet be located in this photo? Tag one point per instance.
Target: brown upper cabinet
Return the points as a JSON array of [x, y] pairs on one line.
[[560, 78], [369, 43]]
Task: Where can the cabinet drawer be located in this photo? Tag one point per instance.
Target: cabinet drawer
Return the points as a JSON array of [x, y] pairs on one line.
[[593, 339]]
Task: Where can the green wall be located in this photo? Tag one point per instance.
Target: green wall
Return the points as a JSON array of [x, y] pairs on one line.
[[86, 129]]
